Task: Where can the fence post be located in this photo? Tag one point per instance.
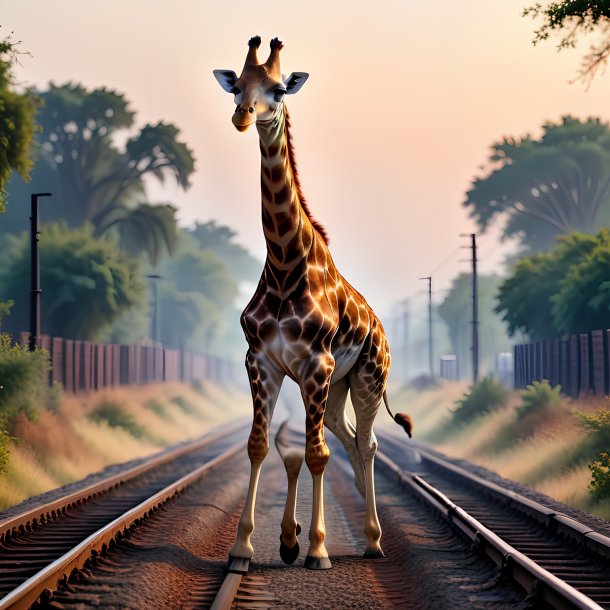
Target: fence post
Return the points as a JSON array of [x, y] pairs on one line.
[[585, 364], [598, 362]]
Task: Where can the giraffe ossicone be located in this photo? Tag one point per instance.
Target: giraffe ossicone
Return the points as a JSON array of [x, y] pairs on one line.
[[305, 322]]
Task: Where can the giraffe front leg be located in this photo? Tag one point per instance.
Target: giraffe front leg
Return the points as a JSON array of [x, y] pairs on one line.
[[314, 388], [265, 383]]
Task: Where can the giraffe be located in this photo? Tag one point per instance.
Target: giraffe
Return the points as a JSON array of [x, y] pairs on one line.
[[305, 322]]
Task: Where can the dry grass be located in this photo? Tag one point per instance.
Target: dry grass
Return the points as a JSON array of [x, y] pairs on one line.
[[67, 444], [545, 450]]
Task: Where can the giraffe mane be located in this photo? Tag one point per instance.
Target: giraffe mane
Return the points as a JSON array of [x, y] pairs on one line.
[[297, 183]]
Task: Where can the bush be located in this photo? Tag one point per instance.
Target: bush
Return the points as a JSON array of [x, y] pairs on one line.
[[538, 396], [22, 385], [597, 426], [484, 397], [5, 439], [600, 477], [116, 417], [158, 409], [184, 405]]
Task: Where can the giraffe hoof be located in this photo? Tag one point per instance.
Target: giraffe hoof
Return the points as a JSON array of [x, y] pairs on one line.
[[288, 555], [238, 565], [378, 554], [318, 563]]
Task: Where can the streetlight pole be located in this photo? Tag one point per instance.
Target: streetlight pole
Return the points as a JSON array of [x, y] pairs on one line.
[[154, 318], [35, 290]]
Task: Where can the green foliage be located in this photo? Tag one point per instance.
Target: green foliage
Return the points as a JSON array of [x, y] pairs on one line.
[[600, 477], [96, 180], [597, 427], [546, 187], [484, 397], [5, 310], [219, 239], [195, 292], [17, 121], [456, 311], [560, 292], [573, 18], [87, 284], [184, 405], [22, 386], [538, 397], [5, 452], [158, 409], [115, 416]]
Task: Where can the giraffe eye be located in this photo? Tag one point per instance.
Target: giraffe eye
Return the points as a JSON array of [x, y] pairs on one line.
[[278, 94], [235, 91]]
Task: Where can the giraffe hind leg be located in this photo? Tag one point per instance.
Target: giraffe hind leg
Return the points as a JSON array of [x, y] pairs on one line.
[[339, 424], [293, 457], [366, 394]]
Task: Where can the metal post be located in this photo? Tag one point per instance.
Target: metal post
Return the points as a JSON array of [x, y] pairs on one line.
[[475, 312], [430, 343], [154, 318], [35, 290]]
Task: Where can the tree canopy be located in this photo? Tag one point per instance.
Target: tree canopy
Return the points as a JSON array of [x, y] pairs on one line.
[[563, 291], [571, 19], [87, 284], [546, 187], [96, 180], [17, 121]]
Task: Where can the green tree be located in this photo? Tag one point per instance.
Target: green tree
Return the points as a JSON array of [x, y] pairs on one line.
[[456, 311], [571, 19], [220, 240], [17, 121], [194, 294], [96, 180], [559, 292], [546, 187], [87, 284]]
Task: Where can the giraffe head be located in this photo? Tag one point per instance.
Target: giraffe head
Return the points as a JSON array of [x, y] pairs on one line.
[[259, 91]]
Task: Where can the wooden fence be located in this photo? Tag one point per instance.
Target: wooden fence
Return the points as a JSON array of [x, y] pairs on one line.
[[81, 366], [579, 363]]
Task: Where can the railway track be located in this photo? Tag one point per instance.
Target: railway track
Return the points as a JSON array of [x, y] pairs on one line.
[[45, 545], [555, 562], [556, 559]]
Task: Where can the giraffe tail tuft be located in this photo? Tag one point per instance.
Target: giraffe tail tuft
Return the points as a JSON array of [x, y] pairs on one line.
[[402, 419]]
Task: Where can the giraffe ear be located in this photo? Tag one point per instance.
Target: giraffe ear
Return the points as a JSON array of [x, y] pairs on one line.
[[226, 78], [295, 81]]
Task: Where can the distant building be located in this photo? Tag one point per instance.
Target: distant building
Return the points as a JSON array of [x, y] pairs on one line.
[[449, 367], [505, 369]]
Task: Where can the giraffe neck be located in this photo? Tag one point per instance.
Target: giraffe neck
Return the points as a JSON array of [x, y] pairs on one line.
[[288, 230]]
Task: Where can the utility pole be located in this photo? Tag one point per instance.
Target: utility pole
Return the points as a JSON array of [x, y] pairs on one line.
[[475, 307], [405, 339], [154, 317], [35, 290], [430, 350]]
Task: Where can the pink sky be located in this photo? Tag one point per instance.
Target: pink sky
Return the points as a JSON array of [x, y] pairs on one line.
[[395, 120]]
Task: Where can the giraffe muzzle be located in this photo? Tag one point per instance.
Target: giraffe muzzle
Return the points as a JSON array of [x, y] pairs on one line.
[[243, 117]]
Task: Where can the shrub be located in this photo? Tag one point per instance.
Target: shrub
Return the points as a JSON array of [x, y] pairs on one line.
[[22, 385], [5, 439], [184, 405], [597, 426], [158, 409], [600, 477], [484, 397], [537, 397], [116, 417]]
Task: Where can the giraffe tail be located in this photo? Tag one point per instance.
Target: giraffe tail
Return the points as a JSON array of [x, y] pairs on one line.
[[402, 419]]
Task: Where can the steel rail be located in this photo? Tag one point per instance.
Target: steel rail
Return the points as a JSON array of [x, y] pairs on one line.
[[535, 580], [50, 510], [47, 580], [553, 520]]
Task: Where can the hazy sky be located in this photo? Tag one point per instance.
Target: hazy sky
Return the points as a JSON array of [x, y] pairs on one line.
[[403, 100]]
